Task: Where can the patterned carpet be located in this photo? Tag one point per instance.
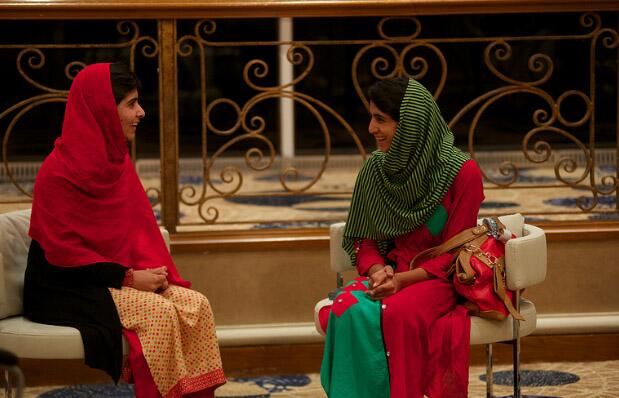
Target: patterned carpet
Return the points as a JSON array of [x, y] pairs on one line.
[[539, 380], [550, 203], [263, 203]]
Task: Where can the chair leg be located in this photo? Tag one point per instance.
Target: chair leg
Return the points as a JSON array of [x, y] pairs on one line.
[[19, 381], [6, 381], [489, 381], [20, 384], [516, 350]]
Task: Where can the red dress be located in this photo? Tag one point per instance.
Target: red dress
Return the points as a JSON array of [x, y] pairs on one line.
[[426, 334]]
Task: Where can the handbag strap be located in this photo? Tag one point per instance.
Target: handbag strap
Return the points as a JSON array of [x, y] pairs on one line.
[[455, 242], [500, 290]]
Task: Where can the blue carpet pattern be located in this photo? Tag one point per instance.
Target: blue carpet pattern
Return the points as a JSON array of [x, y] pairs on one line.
[[277, 383], [535, 378], [91, 391]]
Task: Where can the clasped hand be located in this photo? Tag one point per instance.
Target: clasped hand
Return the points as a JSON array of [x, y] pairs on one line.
[[383, 283], [151, 280]]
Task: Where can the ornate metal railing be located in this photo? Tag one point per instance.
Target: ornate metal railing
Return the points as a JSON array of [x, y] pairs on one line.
[[555, 130], [31, 57]]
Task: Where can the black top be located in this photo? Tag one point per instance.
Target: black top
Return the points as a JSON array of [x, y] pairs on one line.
[[78, 297], [7, 358]]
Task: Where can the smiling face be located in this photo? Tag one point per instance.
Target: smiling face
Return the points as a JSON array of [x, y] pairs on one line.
[[130, 113], [382, 127]]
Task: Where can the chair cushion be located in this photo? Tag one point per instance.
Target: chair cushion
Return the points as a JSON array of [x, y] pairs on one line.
[[485, 331], [28, 339], [14, 246]]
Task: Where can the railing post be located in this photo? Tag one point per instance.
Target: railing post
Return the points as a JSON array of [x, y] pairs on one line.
[[168, 123], [286, 105]]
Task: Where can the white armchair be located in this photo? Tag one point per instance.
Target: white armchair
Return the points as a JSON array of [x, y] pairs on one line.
[[25, 338], [525, 258]]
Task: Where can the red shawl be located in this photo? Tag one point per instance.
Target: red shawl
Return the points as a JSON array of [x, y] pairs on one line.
[[89, 205]]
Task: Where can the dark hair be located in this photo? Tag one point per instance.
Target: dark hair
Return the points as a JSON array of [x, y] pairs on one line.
[[123, 80], [387, 95]]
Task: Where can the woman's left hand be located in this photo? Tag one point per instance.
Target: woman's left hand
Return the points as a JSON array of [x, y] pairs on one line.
[[386, 289]]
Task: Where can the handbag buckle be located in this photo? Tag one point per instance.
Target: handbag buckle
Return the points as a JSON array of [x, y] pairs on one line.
[[471, 248], [493, 228], [491, 258]]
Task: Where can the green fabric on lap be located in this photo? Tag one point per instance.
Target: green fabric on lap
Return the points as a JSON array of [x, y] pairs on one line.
[[357, 365]]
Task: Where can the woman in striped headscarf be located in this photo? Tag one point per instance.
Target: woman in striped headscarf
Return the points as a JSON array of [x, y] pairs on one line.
[[394, 331]]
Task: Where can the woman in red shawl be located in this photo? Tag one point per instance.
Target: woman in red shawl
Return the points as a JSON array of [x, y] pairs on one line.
[[98, 262]]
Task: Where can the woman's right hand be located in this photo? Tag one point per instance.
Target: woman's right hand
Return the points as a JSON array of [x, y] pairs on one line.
[[150, 280]]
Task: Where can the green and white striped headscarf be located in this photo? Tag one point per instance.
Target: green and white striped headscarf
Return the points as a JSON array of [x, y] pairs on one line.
[[398, 191]]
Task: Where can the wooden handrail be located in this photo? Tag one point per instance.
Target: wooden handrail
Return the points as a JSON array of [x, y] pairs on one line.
[[277, 239], [318, 238], [179, 9]]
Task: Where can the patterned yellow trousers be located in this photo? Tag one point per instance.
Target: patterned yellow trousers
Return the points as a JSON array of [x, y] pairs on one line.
[[176, 329]]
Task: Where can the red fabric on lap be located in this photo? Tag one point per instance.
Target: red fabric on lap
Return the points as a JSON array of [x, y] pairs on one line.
[[343, 302]]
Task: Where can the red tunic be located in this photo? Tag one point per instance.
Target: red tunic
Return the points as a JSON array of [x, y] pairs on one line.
[[426, 333]]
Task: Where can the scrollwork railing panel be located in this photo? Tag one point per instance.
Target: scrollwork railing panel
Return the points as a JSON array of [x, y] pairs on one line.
[[519, 68], [537, 110], [37, 61]]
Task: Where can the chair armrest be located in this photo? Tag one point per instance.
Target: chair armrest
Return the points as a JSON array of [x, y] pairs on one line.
[[525, 258], [319, 305], [340, 260], [166, 236]]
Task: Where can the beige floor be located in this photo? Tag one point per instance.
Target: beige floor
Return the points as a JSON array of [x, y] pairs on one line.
[[597, 380]]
